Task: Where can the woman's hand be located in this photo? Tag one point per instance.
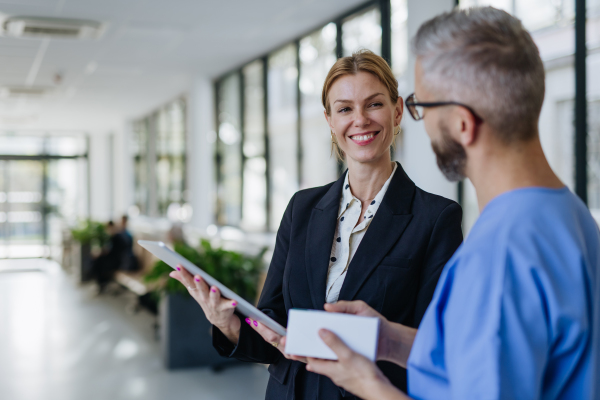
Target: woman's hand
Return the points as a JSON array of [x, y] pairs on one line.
[[273, 338], [353, 372], [218, 310]]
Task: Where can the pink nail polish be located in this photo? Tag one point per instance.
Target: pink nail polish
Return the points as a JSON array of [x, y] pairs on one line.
[[248, 321], [178, 269], [197, 280], [255, 323], [213, 290], [234, 304]]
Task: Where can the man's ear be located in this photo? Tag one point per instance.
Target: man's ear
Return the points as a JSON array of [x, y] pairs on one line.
[[467, 127]]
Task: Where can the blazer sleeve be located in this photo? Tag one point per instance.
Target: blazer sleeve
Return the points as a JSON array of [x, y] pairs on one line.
[[445, 238], [251, 346]]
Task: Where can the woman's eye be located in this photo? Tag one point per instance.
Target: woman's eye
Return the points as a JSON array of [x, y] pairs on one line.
[[343, 110], [376, 104]]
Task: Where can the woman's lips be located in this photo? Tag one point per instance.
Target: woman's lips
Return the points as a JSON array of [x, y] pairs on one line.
[[364, 139]]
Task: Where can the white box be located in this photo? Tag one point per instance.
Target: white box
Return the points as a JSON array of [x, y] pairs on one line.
[[361, 334]]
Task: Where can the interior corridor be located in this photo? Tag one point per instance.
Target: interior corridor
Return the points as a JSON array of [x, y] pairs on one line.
[[59, 341]]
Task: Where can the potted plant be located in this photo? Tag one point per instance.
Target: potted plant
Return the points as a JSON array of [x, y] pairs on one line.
[[185, 333], [91, 236]]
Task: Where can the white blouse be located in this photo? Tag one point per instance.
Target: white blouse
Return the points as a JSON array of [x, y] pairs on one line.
[[348, 236]]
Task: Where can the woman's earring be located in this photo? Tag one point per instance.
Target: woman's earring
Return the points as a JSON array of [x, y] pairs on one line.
[[398, 130], [333, 138]]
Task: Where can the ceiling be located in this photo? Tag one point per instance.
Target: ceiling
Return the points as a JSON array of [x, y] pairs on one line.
[[148, 54]]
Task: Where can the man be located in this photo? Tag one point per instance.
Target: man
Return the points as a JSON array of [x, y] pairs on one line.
[[515, 312]]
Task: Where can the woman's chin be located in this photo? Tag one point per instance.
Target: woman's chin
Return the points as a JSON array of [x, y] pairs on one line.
[[365, 157]]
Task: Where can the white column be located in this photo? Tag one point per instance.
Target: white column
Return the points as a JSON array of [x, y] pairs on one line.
[[100, 176], [419, 159], [200, 155]]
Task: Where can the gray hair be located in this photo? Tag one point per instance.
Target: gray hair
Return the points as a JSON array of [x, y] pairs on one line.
[[485, 58]]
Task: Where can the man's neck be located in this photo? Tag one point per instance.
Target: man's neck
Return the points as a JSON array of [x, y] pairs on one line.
[[499, 169]]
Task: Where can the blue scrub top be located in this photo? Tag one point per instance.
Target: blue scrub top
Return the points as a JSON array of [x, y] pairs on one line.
[[513, 313]]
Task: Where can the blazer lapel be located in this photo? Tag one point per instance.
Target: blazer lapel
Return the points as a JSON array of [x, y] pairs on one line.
[[389, 223], [319, 240]]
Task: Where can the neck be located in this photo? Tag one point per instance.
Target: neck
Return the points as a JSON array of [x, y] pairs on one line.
[[367, 179], [500, 168]]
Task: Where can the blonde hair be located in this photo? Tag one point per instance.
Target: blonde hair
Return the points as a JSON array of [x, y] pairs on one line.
[[360, 61]]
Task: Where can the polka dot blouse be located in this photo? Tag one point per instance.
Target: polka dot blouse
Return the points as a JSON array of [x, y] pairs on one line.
[[349, 234]]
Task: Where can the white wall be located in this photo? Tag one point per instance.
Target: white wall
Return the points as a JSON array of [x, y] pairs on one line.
[[101, 182], [419, 159]]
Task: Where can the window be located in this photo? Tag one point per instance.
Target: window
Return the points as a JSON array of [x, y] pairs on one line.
[[230, 152], [283, 129], [254, 204], [159, 154], [317, 55], [140, 158], [362, 31], [399, 10], [170, 160], [273, 137]]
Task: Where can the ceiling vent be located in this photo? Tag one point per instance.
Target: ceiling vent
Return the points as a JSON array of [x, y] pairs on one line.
[[52, 28]]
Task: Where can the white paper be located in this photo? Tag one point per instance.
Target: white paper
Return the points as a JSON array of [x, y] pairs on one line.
[[359, 333]]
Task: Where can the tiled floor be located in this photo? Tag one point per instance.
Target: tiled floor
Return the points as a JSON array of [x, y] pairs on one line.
[[58, 341]]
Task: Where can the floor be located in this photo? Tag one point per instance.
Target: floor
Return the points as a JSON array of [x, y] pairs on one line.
[[60, 341]]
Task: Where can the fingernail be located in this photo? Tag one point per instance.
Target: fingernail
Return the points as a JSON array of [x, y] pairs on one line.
[[255, 323], [234, 304], [248, 321], [213, 290], [178, 269], [197, 279]]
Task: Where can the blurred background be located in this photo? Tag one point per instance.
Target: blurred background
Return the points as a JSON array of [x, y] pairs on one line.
[[198, 121]]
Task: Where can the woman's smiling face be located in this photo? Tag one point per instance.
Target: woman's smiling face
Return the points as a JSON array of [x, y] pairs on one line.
[[363, 116]]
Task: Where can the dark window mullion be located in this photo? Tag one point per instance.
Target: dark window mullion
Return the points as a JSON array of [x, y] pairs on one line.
[[266, 139], [242, 117]]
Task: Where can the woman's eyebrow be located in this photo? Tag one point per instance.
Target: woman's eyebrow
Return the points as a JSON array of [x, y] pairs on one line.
[[350, 101]]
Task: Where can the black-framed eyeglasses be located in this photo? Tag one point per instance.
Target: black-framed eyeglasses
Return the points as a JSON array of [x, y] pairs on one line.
[[415, 108]]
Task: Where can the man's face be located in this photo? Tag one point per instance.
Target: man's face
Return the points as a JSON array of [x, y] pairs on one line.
[[450, 155]]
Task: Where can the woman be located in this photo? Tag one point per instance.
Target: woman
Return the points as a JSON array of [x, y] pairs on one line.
[[372, 235]]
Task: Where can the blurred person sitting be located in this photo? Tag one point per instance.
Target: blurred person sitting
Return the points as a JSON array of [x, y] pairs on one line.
[[111, 258], [129, 261], [516, 312]]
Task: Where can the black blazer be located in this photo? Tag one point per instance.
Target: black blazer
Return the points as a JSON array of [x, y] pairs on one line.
[[395, 270]]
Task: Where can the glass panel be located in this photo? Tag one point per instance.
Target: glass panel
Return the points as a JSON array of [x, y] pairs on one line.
[[140, 154], [21, 207], [230, 150], [593, 95], [65, 146], [21, 145], [317, 55], [362, 31], [255, 166], [535, 14], [399, 38], [283, 130], [594, 155], [170, 159]]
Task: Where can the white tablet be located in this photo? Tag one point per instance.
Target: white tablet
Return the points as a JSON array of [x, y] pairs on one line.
[[173, 260]]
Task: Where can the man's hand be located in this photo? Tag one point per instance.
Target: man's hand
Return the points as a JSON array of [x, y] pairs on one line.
[[395, 340], [353, 372]]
